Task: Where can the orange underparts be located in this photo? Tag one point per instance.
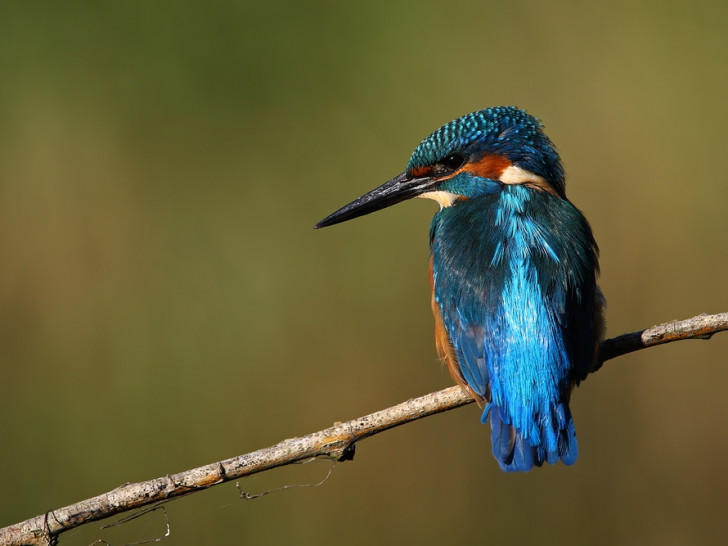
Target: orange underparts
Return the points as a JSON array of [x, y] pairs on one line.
[[445, 350]]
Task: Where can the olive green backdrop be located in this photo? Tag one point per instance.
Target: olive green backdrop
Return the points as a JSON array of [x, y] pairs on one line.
[[165, 302]]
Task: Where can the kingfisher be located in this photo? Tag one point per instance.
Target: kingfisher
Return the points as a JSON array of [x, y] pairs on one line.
[[513, 271]]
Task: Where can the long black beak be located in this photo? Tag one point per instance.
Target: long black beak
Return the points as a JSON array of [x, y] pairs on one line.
[[390, 193]]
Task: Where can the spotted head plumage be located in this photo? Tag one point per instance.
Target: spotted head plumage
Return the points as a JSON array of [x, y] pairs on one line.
[[489, 141], [513, 272]]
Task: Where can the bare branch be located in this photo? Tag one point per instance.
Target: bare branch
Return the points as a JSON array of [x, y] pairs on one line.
[[700, 327], [336, 442]]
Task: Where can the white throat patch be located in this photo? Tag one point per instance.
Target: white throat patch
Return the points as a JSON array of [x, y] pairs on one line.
[[444, 198]]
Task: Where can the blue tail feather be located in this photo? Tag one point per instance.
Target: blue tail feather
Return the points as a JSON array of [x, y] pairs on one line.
[[516, 452]]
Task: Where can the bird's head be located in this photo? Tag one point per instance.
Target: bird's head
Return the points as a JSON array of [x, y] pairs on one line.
[[469, 157]]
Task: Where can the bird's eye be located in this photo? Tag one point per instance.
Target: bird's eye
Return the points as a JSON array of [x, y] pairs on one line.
[[452, 161]]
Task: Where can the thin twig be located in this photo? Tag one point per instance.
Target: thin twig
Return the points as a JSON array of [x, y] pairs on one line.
[[336, 442]]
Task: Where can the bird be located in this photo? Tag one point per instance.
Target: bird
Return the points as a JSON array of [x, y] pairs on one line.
[[513, 271]]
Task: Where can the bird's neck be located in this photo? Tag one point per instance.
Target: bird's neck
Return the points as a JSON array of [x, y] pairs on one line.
[[491, 225]]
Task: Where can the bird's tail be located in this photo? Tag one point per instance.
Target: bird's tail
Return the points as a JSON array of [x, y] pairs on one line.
[[549, 438]]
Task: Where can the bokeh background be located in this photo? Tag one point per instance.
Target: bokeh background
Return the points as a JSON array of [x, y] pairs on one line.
[[165, 302]]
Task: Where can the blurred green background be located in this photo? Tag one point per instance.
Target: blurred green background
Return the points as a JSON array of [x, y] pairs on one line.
[[165, 302]]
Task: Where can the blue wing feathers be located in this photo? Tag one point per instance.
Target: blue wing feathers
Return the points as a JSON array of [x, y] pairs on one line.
[[517, 300], [474, 367]]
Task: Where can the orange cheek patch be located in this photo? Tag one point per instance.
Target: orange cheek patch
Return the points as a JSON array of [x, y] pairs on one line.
[[489, 166], [421, 172]]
